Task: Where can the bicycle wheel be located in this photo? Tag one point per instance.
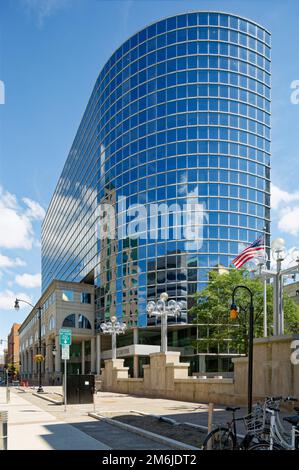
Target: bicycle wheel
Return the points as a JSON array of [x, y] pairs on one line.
[[219, 439], [265, 446]]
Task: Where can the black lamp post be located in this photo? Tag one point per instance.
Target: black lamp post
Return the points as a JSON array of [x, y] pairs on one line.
[[234, 315], [39, 309]]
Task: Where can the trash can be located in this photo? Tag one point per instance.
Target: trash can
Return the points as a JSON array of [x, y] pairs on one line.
[[80, 389], [3, 430]]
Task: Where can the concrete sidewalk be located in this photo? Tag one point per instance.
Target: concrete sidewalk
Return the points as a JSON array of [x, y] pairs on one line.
[[32, 428], [191, 412]]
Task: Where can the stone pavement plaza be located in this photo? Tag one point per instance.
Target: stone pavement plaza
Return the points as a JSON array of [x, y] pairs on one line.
[[196, 413], [35, 423]]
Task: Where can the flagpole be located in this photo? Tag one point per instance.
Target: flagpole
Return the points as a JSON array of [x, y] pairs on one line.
[[249, 253], [265, 291]]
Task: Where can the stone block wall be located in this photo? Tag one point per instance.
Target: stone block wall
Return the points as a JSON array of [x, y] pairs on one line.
[[167, 377]]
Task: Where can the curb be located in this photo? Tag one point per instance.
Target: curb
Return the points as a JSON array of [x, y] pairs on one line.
[[205, 428], [51, 400], [170, 420], [142, 432], [163, 418], [197, 426]]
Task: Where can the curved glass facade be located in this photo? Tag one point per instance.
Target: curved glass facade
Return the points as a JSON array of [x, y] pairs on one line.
[[180, 111]]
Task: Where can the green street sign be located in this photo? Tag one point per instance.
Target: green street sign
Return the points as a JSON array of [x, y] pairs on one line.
[[65, 337]]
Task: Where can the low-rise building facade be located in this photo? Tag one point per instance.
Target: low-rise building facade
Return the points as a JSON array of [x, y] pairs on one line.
[[13, 350], [67, 305]]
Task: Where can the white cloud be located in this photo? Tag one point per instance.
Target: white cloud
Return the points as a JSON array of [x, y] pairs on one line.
[[6, 262], [289, 220], [43, 9], [280, 197], [8, 297], [16, 230], [286, 210], [29, 281], [35, 210]]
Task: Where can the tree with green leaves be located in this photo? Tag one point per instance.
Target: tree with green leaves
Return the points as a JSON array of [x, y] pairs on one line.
[[13, 370], [211, 312]]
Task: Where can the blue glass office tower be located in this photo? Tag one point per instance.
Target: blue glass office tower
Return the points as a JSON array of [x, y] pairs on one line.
[[182, 108]]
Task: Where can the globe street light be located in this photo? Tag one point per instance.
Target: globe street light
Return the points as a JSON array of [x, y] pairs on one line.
[[162, 309], [113, 328], [279, 254], [278, 246], [39, 355], [261, 261], [295, 255]]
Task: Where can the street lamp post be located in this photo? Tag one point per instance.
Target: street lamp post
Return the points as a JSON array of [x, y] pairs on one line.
[[113, 328], [39, 309], [162, 310], [234, 314], [262, 260], [279, 254]]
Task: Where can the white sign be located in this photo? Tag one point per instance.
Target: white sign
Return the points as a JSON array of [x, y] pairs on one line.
[[65, 352]]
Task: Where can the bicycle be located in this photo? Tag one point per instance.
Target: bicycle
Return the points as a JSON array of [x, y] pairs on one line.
[[279, 438], [226, 437]]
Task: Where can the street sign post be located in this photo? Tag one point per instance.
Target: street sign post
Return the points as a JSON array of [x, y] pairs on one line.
[[65, 337], [65, 352], [65, 355], [65, 340]]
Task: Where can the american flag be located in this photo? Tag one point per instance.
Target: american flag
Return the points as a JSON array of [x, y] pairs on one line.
[[249, 252]]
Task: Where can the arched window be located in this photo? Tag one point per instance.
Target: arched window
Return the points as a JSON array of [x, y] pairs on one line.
[[36, 336], [31, 340], [43, 330], [83, 322], [70, 321]]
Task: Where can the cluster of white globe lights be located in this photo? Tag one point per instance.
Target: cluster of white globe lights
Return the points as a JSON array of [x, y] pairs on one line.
[[258, 266], [161, 309], [279, 253], [165, 308]]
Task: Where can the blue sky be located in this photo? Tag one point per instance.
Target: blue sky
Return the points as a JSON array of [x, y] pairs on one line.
[[51, 52]]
